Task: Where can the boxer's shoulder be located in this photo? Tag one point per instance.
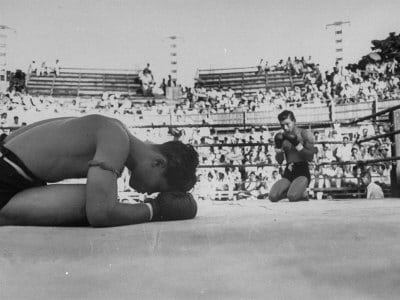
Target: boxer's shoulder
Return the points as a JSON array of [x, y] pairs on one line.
[[306, 135]]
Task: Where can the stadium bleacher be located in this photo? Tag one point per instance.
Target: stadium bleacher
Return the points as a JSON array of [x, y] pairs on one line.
[[247, 81], [81, 82]]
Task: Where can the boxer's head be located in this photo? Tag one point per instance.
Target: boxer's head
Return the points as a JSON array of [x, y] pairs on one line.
[[168, 167], [287, 120]]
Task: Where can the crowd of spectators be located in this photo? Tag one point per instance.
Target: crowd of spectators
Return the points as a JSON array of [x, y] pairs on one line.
[[379, 81], [149, 86], [44, 69]]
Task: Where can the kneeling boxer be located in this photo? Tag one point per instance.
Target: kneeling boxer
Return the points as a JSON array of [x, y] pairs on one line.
[[297, 146]]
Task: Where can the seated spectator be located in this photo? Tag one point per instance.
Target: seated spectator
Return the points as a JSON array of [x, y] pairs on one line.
[[275, 176], [203, 187], [250, 187], [355, 155], [374, 191], [126, 106], [16, 122], [4, 122], [337, 176]]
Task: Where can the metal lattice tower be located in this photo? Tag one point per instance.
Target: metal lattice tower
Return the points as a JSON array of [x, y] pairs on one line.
[[338, 27], [3, 53], [173, 55]]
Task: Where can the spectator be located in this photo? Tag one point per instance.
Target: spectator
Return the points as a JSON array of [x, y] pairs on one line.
[[374, 191], [16, 122], [343, 152], [260, 67], [57, 68], [33, 67], [163, 86]]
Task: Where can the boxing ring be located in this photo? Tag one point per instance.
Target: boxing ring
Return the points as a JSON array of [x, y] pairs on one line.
[[250, 250], [345, 249]]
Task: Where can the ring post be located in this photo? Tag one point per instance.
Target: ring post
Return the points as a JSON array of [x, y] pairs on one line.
[[395, 139]]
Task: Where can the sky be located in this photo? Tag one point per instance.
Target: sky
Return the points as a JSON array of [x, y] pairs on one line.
[[212, 33]]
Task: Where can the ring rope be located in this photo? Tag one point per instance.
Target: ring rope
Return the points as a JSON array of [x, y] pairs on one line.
[[379, 136], [357, 162], [253, 144], [382, 112]]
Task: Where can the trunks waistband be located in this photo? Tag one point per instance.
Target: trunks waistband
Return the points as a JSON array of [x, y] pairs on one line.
[[13, 160], [299, 163]]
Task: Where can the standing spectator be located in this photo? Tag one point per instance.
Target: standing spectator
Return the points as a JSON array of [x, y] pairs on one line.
[[260, 67], [44, 69], [147, 71], [343, 152], [33, 67], [57, 68], [163, 86], [171, 82]]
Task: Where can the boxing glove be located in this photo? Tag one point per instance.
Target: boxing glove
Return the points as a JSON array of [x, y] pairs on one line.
[[170, 206], [278, 139], [292, 138]]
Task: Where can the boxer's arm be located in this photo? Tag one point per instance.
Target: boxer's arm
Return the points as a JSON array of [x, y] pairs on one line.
[[102, 206], [307, 151]]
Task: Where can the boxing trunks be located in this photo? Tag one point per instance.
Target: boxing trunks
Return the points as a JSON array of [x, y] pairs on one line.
[[14, 176], [297, 169]]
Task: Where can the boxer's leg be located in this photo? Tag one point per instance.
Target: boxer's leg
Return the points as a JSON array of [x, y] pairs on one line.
[[51, 205], [279, 189], [297, 189]]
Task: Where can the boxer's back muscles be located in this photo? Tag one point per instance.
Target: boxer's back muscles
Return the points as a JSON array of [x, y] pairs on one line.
[[58, 149]]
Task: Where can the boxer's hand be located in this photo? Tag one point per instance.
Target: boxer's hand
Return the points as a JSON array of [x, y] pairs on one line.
[[292, 138], [173, 206], [278, 140]]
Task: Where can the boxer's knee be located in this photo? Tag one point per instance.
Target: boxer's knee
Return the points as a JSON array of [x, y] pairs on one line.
[[273, 197], [294, 196]]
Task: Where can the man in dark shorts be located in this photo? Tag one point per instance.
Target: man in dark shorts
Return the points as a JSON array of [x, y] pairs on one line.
[[297, 146], [97, 148]]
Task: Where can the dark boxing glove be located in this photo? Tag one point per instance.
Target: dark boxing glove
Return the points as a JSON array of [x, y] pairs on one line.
[[292, 138], [170, 206], [278, 139]]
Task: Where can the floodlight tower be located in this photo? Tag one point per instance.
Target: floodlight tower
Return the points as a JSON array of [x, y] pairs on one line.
[[3, 53], [338, 27], [173, 55]]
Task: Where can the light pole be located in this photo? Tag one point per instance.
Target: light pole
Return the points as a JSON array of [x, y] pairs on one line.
[[338, 27], [3, 54], [173, 56]]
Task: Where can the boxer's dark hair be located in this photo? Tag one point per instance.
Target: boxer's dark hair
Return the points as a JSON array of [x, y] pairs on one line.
[[286, 114], [182, 161]]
